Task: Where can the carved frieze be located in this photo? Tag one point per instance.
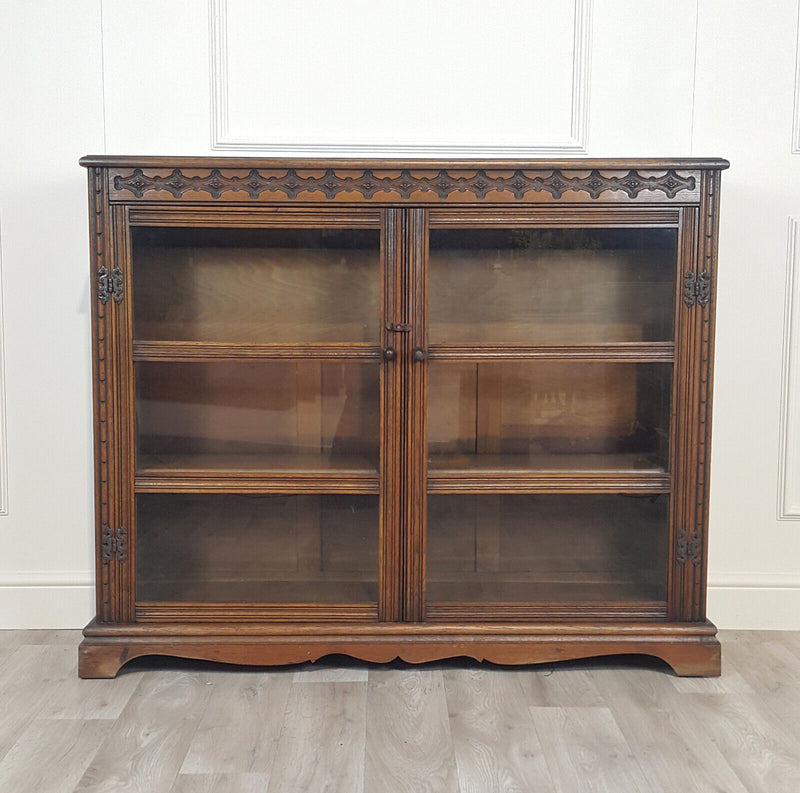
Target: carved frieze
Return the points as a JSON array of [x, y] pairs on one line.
[[405, 183]]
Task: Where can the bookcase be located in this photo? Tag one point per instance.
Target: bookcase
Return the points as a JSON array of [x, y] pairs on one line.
[[407, 410]]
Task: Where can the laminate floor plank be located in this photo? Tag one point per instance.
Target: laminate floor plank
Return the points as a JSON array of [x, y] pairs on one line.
[[779, 690], [50, 756], [10, 639], [220, 783], [496, 745], [568, 685], [586, 752], [90, 699], [749, 738], [70, 638], [29, 679], [579, 727], [790, 639], [773, 668], [254, 704], [672, 755], [147, 744], [325, 672], [409, 747], [321, 747], [730, 682], [772, 671]]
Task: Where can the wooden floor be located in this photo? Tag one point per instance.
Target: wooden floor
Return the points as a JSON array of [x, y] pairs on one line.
[[619, 725]]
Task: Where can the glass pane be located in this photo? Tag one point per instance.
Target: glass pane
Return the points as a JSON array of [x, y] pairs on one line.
[[551, 286], [546, 414], [257, 549], [546, 548], [263, 414], [256, 285]]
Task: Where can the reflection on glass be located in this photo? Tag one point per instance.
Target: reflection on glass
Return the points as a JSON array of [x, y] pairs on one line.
[[540, 414], [551, 286], [256, 285], [257, 549], [546, 548], [282, 414]]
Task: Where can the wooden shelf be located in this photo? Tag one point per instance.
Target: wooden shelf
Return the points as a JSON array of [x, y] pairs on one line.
[[261, 473], [453, 597], [207, 350], [633, 352], [578, 473], [335, 590]]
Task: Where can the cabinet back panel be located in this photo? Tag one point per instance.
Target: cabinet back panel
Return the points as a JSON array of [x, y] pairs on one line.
[[546, 548], [260, 549], [557, 408], [324, 409], [551, 286], [256, 285]]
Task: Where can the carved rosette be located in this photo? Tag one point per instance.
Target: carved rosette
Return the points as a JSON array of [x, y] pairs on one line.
[[405, 184]]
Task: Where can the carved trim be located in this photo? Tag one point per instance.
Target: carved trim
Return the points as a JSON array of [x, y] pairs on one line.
[[222, 139], [107, 608], [101, 371], [406, 184]]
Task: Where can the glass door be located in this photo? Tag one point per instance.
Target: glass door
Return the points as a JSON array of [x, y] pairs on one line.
[[257, 395], [549, 389]]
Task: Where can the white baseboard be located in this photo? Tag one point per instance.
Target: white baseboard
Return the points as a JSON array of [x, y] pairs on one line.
[[43, 599], [65, 599], [754, 601]]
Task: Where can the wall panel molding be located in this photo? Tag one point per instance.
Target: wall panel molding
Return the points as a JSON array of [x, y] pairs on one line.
[[796, 109], [789, 453], [223, 138], [3, 426]]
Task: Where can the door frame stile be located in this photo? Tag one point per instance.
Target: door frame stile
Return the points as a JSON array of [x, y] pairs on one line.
[[125, 430], [391, 579], [416, 259]]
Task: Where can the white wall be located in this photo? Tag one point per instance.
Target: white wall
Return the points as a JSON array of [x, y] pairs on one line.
[[471, 78]]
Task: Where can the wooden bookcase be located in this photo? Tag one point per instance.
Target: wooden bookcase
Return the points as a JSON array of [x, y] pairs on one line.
[[402, 409]]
